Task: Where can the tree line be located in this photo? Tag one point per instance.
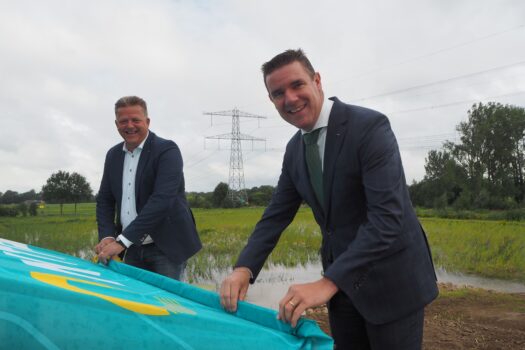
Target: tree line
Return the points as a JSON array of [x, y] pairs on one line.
[[60, 188], [257, 196], [485, 169], [63, 187]]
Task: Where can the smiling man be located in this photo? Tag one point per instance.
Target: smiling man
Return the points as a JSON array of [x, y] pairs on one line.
[[141, 205], [344, 162]]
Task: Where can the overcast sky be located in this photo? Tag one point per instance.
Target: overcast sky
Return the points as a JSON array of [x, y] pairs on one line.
[[63, 64]]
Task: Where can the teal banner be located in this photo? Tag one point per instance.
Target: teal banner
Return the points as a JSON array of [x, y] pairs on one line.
[[50, 300]]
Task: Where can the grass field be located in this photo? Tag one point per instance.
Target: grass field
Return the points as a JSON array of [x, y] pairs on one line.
[[486, 248]]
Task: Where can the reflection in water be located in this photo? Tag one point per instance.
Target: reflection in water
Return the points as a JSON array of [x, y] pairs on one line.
[[460, 279], [272, 284]]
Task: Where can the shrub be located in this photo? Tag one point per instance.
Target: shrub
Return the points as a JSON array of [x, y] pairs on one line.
[[22, 208], [8, 211], [33, 209]]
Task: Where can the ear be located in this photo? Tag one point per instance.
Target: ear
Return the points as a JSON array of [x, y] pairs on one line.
[[147, 121], [116, 123], [317, 80]]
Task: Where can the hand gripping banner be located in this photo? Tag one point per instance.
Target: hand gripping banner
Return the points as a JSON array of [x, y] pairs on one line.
[[49, 300]]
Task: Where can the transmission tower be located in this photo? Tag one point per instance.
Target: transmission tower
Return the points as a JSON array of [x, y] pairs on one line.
[[236, 187]]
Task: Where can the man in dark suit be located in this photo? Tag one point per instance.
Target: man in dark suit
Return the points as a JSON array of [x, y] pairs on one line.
[[141, 204], [345, 163]]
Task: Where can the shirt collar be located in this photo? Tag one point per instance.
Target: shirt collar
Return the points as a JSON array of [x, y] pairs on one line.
[[324, 115], [139, 147]]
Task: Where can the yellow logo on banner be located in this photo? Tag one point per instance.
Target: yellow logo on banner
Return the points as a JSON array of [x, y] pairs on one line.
[[62, 282]]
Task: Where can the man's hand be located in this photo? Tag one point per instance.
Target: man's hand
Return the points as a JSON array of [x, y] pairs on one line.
[[234, 287], [302, 296], [108, 251], [104, 242]]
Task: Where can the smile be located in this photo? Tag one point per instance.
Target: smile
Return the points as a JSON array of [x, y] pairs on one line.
[[297, 109]]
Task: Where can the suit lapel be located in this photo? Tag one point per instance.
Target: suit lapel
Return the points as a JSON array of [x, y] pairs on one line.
[[144, 158], [335, 136], [119, 168]]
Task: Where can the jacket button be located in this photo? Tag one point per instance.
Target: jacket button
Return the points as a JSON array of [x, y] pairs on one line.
[[328, 232]]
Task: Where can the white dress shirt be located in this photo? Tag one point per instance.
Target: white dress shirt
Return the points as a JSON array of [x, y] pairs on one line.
[[128, 208]]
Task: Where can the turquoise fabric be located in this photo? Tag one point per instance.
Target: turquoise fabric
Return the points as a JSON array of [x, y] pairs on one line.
[[50, 300]]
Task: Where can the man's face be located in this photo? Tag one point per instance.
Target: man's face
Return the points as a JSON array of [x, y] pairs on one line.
[[297, 97], [132, 125]]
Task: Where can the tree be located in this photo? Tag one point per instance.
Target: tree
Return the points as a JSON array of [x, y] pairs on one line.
[[13, 197], [28, 196], [486, 169], [62, 187], [199, 199], [219, 194], [57, 189], [492, 151], [10, 197], [80, 189], [260, 195]]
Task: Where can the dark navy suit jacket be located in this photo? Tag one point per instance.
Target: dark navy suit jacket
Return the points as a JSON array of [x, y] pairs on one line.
[[373, 248], [162, 210]]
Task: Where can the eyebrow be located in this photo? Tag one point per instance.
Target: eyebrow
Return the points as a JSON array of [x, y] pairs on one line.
[[293, 83], [276, 91]]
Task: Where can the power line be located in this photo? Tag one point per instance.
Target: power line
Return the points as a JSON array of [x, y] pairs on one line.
[[201, 160], [416, 87], [455, 103], [426, 137], [430, 54]]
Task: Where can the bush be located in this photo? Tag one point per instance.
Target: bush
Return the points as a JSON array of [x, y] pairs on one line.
[[22, 208], [514, 215], [440, 202], [33, 209], [462, 202], [8, 211]]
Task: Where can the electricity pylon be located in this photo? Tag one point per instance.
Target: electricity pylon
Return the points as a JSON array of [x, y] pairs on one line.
[[236, 187]]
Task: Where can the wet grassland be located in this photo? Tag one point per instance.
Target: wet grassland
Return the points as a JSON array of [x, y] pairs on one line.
[[485, 245], [487, 248]]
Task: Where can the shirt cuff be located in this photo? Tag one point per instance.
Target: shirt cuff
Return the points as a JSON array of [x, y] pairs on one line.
[[124, 240]]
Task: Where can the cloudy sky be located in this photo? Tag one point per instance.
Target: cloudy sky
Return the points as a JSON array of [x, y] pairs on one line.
[[63, 64]]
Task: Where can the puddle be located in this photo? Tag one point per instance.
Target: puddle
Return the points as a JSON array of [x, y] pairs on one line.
[[498, 285], [272, 284]]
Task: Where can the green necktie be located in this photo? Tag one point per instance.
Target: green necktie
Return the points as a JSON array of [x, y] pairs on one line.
[[313, 161]]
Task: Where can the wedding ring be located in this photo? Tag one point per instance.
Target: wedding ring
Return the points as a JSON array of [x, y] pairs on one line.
[[291, 303]]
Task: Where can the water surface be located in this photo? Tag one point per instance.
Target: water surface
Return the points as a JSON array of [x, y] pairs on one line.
[[272, 284]]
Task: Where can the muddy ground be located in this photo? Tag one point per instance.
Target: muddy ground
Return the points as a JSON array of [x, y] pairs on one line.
[[466, 318]]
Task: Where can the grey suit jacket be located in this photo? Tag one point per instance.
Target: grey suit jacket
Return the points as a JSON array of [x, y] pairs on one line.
[[160, 199], [373, 247]]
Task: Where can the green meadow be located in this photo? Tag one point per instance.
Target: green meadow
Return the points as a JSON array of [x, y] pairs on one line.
[[482, 247], [486, 248]]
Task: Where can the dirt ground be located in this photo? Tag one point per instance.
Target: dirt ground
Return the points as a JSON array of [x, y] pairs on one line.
[[466, 318]]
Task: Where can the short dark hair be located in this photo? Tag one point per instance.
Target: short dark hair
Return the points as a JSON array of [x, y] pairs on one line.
[[284, 58], [128, 101]]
